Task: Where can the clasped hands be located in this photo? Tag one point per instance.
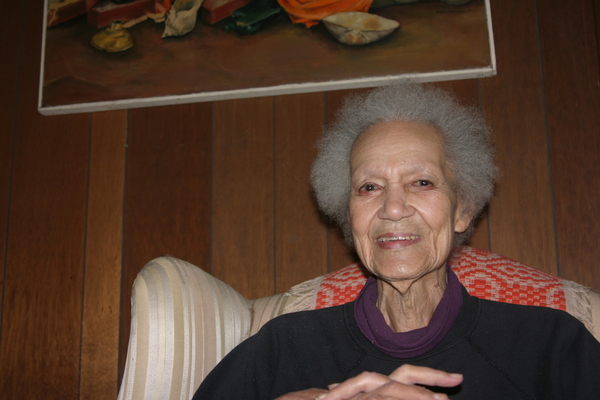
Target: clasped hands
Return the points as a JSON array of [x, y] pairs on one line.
[[402, 384]]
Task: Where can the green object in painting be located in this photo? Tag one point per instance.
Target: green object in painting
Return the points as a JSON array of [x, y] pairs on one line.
[[250, 18]]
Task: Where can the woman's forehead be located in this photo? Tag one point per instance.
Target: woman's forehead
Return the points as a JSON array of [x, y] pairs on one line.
[[402, 142]]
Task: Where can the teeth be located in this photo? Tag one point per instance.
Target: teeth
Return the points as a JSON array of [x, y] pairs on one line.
[[394, 239]]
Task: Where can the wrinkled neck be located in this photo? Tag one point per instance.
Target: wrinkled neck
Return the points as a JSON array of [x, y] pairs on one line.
[[410, 306], [403, 342]]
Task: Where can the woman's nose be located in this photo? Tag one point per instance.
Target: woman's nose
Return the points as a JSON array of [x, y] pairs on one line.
[[395, 205]]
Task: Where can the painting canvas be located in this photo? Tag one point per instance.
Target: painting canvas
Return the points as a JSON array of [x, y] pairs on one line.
[[434, 41]]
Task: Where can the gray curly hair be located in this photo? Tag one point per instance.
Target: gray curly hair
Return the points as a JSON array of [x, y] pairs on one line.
[[466, 136]]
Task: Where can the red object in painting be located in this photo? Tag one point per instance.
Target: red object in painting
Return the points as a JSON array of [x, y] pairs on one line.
[[310, 12], [66, 10], [103, 13], [213, 11]]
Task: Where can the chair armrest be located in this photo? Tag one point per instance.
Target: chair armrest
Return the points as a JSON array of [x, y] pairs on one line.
[[301, 297], [595, 305], [184, 321]]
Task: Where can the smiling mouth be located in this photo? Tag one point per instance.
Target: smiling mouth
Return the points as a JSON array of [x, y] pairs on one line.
[[397, 238]]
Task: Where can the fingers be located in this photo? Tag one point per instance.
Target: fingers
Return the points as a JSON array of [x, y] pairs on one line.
[[309, 394], [400, 385], [411, 374], [365, 382], [369, 383]]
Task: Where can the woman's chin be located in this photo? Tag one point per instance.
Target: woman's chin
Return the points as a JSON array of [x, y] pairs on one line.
[[393, 266]]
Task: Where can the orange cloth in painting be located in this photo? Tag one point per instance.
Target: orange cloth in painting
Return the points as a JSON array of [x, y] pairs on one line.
[[310, 12]]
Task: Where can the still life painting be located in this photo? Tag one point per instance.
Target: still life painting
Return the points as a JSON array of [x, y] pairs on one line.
[[115, 54]]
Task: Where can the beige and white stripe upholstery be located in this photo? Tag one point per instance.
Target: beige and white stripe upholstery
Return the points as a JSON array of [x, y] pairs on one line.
[[183, 322]]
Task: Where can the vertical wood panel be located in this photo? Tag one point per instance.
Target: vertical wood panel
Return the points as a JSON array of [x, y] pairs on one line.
[[300, 232], [570, 60], [243, 196], [41, 324], [102, 285], [597, 24], [521, 223], [9, 73], [42, 307], [167, 205], [6, 147]]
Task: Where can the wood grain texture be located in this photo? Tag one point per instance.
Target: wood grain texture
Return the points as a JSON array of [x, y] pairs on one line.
[[569, 47], [41, 325], [597, 23], [44, 271], [6, 150], [167, 202], [300, 231], [102, 284], [521, 221], [9, 73], [243, 220]]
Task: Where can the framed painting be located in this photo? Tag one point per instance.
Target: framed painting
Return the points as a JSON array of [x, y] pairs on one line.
[[236, 49]]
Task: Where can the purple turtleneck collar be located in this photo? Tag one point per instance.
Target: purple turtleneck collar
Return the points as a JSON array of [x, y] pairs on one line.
[[413, 343]]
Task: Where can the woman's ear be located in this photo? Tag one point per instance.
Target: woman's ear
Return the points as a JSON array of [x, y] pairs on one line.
[[462, 218]]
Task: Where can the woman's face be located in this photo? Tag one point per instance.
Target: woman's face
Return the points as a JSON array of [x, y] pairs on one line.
[[403, 207]]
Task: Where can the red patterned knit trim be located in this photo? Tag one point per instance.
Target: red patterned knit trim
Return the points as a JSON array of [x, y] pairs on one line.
[[484, 274]]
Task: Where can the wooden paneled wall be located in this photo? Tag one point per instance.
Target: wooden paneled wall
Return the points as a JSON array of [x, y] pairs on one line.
[[86, 200]]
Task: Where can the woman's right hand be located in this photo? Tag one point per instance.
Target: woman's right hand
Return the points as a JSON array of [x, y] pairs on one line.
[[402, 384]]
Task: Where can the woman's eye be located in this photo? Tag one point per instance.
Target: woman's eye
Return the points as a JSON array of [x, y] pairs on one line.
[[423, 183], [369, 187]]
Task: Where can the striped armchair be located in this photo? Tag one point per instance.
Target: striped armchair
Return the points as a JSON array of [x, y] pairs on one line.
[[184, 320]]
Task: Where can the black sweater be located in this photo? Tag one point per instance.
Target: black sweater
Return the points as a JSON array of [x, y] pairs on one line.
[[504, 351]]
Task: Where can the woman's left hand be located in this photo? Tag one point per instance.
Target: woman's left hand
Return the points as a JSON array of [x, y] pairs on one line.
[[402, 384]]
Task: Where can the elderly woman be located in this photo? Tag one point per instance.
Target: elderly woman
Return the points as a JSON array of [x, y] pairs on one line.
[[404, 171]]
